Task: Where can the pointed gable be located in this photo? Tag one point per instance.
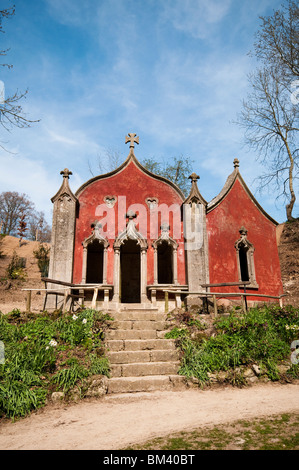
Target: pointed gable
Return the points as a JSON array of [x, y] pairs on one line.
[[233, 209], [107, 198], [229, 185]]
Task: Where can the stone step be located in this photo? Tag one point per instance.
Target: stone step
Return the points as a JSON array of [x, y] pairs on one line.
[[138, 307], [155, 355], [146, 383], [137, 325], [138, 315], [140, 357], [139, 344], [131, 334], [139, 369]]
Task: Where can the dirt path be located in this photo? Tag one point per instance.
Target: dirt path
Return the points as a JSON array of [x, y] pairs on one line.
[[114, 422]]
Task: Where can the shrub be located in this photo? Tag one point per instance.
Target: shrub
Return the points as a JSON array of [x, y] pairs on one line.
[[16, 268], [262, 335], [42, 255]]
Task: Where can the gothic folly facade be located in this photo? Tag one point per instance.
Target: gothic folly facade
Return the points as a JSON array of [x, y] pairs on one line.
[[127, 236]]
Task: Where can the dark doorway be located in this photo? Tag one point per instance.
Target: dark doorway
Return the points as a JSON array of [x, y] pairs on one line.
[[243, 264], [130, 272], [165, 272], [95, 256]]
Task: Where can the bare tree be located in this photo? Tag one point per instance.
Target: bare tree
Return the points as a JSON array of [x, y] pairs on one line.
[[178, 171], [277, 42], [38, 228], [12, 206], [11, 111], [271, 123], [269, 115], [106, 162]]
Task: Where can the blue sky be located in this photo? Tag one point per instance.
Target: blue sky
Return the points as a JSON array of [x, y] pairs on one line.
[[172, 71]]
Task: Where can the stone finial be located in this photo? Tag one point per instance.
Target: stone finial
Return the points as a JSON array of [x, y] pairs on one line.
[[194, 195], [66, 173], [236, 163], [132, 138], [243, 231], [194, 177], [131, 215], [65, 190], [165, 227]]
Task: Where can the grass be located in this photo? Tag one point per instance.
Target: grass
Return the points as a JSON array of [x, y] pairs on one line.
[[279, 432], [46, 353]]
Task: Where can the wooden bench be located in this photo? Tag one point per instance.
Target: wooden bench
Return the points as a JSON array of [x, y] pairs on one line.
[[69, 291], [65, 291]]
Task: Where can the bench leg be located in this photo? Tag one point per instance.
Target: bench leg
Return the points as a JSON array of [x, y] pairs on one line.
[[178, 301], [215, 305], [106, 298], [28, 301], [166, 302], [66, 296], [154, 297], [94, 299]]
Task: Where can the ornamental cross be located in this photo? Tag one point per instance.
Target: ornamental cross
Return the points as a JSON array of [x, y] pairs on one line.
[[132, 138]]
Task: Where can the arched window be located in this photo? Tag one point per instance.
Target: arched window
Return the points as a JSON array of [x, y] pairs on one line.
[[165, 263], [165, 258], [95, 263], [94, 266], [245, 259]]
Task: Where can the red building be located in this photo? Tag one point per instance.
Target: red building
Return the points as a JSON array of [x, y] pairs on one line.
[[131, 235]]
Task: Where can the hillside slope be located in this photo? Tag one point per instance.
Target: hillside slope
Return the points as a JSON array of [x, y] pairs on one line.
[[12, 295], [288, 248]]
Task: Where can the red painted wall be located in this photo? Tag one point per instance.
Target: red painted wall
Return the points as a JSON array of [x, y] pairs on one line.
[[131, 186], [223, 225]]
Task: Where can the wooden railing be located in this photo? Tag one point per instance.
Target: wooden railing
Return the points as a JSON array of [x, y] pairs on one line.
[[69, 291], [214, 295]]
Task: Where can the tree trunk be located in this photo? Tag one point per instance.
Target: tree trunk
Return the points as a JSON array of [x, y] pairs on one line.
[[289, 207]]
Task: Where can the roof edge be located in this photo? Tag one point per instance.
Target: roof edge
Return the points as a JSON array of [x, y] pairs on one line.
[[130, 158], [227, 188]]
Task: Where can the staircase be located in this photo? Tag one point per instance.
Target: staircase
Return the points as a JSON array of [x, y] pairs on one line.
[[141, 359]]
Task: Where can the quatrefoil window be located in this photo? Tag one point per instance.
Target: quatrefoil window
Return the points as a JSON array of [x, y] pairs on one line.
[[110, 201], [152, 202]]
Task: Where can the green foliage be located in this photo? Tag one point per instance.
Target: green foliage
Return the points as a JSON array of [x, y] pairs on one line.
[[176, 333], [48, 352], [42, 255], [66, 378], [15, 269], [262, 336], [177, 171]]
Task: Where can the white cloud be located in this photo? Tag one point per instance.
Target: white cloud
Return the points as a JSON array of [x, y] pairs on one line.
[[30, 177], [61, 138], [71, 12], [195, 17]]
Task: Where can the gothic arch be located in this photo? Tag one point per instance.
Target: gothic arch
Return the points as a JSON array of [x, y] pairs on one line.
[[165, 239], [245, 259], [95, 238]]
